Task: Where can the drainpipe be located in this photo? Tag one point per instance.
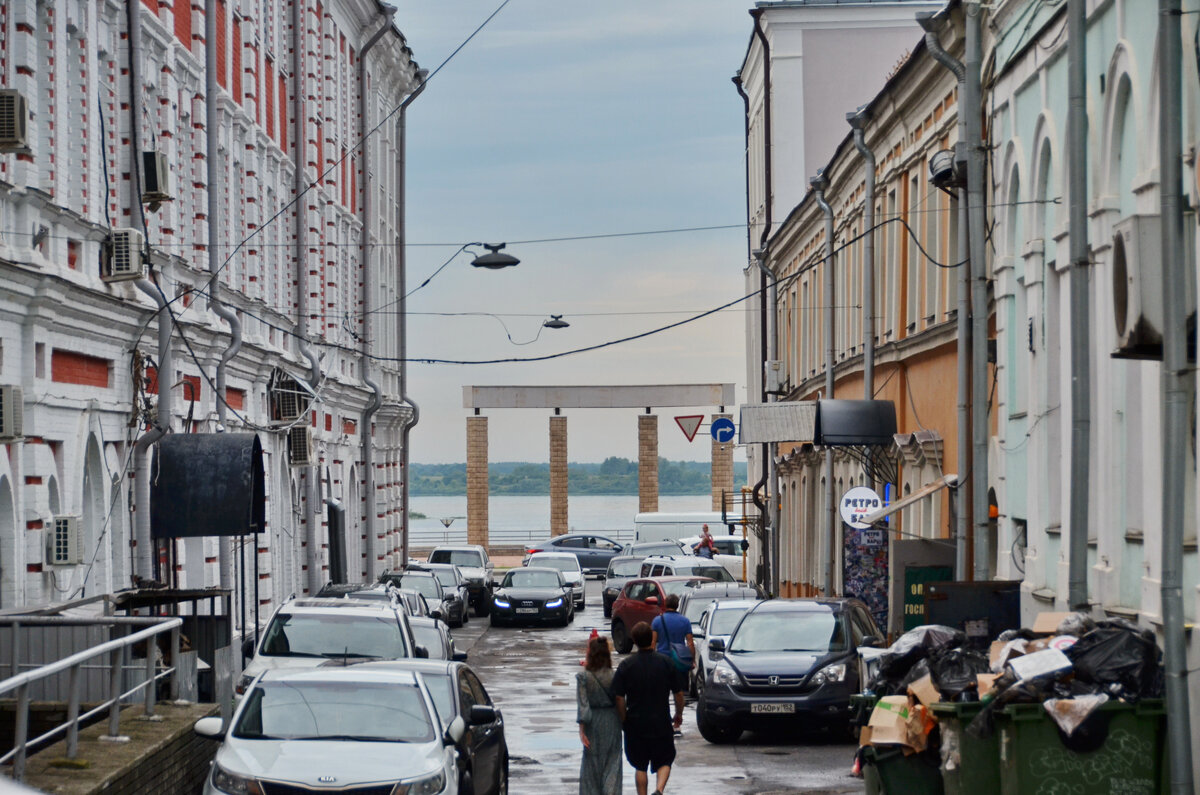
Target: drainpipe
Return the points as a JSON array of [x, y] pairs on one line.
[[1176, 375], [819, 185], [312, 531], [143, 561], [737, 84], [962, 516], [402, 266], [858, 121], [972, 106], [211, 119], [368, 220]]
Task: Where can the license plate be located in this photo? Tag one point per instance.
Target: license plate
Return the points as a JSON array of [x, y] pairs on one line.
[[527, 610], [773, 708]]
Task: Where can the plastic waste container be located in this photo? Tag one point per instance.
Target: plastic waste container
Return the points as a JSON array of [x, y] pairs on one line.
[[970, 766], [888, 771], [1119, 749], [861, 705]]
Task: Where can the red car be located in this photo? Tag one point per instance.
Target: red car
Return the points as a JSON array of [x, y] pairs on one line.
[[642, 600]]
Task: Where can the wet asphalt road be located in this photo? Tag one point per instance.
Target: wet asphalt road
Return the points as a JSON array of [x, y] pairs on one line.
[[530, 674]]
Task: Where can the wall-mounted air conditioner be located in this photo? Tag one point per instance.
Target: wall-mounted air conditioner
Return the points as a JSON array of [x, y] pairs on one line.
[[300, 446], [14, 121], [11, 412], [156, 179], [123, 257], [64, 547], [290, 398], [775, 377]]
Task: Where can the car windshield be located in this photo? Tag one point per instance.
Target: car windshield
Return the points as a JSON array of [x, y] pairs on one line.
[[624, 568], [334, 634], [531, 579], [695, 608], [725, 619], [430, 638], [423, 584], [446, 576], [372, 596], [459, 557], [566, 564], [809, 631], [352, 711], [443, 698], [678, 587]]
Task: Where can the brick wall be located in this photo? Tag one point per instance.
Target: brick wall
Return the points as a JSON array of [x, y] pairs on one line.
[[647, 462], [722, 467], [477, 480], [558, 476]]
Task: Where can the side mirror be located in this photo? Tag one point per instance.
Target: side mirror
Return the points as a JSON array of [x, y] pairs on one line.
[[482, 713], [456, 730], [872, 642], [248, 647], [652, 601], [716, 644], [421, 653], [209, 728], [459, 656], [435, 614]]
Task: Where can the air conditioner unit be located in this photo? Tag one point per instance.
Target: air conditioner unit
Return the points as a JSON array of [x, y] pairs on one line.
[[775, 378], [11, 413], [156, 179], [123, 259], [64, 547], [300, 446], [289, 400], [14, 121]]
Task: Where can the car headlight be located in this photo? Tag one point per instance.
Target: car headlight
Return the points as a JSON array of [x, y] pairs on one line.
[[723, 674], [501, 603], [224, 781], [244, 683], [554, 603], [830, 673], [430, 785]]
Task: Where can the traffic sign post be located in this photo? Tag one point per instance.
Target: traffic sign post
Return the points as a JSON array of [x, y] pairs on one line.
[[689, 424], [722, 429]]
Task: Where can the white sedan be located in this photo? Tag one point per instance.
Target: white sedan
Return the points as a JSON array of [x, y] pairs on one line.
[[566, 563], [338, 729]]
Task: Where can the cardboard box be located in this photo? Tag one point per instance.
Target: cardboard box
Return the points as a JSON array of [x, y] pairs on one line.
[[985, 682], [889, 721], [1047, 623], [864, 736], [1050, 662], [924, 691], [1001, 652]]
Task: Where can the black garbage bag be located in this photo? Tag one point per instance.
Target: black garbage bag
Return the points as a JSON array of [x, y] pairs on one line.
[[919, 669], [909, 648], [954, 671], [1076, 625], [1120, 659], [1013, 634]]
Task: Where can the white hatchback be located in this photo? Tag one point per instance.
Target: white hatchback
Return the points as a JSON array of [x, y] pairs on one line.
[[572, 572], [335, 729]]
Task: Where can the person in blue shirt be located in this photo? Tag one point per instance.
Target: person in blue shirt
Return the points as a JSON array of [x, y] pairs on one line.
[[673, 631]]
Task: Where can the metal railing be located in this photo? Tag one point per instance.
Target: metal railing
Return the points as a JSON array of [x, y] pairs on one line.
[[73, 665]]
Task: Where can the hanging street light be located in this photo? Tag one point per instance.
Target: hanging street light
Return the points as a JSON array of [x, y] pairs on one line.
[[556, 321], [494, 259]]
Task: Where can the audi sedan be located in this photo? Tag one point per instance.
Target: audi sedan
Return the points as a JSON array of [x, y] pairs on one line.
[[532, 595]]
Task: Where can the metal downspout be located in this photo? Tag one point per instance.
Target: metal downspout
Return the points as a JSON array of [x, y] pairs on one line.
[[368, 219], [858, 121], [819, 183], [1176, 375], [972, 107], [143, 558], [402, 266], [737, 84], [312, 530], [962, 517]]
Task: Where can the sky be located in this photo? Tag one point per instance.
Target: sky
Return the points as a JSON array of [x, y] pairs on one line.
[[568, 119]]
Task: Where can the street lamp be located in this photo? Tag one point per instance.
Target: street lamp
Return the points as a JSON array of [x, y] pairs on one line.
[[556, 321], [494, 259]]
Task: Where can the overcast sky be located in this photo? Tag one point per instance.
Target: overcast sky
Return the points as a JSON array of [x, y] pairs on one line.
[[563, 119]]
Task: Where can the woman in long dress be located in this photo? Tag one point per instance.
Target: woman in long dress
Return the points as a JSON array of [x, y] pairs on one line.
[[599, 726]]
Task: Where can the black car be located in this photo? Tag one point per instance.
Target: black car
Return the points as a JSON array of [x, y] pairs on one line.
[[473, 561], [428, 585], [534, 595], [483, 750], [593, 551], [455, 588], [620, 571], [789, 663]]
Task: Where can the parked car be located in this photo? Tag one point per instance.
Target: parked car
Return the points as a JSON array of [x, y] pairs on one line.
[[428, 585], [789, 662], [620, 571], [593, 551], [473, 561], [684, 565], [729, 550], [370, 593], [643, 549], [306, 632], [414, 602], [534, 595], [458, 693], [693, 603], [456, 593], [642, 600], [569, 566], [297, 731], [716, 623], [435, 637]]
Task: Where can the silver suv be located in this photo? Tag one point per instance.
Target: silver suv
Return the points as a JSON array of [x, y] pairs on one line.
[[477, 569], [684, 565]]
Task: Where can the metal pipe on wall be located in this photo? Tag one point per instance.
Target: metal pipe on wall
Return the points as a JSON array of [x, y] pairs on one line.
[[820, 184], [1176, 431], [858, 121]]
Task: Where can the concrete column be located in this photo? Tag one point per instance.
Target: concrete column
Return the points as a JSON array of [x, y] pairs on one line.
[[722, 466], [647, 462], [477, 480], [558, 475]]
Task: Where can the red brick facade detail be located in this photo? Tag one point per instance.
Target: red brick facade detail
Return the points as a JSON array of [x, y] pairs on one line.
[[235, 398], [69, 367]]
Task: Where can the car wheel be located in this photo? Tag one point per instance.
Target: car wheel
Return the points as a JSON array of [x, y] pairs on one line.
[[608, 609], [482, 607], [496, 621], [466, 614], [621, 640], [717, 735], [582, 604], [466, 784], [502, 778]]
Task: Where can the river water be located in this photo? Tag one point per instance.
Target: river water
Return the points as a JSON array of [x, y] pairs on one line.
[[517, 519]]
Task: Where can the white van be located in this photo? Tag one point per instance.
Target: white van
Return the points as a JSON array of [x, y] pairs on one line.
[[674, 526]]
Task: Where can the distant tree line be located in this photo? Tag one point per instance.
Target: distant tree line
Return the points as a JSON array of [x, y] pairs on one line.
[[614, 476]]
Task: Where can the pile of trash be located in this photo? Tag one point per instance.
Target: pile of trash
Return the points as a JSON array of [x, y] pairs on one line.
[[1066, 661]]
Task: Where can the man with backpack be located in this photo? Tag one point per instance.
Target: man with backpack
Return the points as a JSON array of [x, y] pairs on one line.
[[673, 635]]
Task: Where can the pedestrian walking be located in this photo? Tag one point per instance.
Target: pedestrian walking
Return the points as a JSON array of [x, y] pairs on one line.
[[672, 635], [645, 685], [599, 725]]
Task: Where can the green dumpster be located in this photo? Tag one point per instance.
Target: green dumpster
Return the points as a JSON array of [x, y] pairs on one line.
[[970, 766], [1126, 756], [887, 770]]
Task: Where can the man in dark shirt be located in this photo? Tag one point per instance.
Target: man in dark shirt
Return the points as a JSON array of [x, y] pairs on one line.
[[643, 686]]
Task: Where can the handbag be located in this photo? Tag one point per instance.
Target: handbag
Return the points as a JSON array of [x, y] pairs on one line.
[[678, 651]]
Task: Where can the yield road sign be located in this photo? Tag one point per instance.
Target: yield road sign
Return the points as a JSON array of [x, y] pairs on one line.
[[722, 429], [689, 424]]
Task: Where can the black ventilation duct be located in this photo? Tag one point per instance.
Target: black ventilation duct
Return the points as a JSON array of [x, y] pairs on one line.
[[207, 484]]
